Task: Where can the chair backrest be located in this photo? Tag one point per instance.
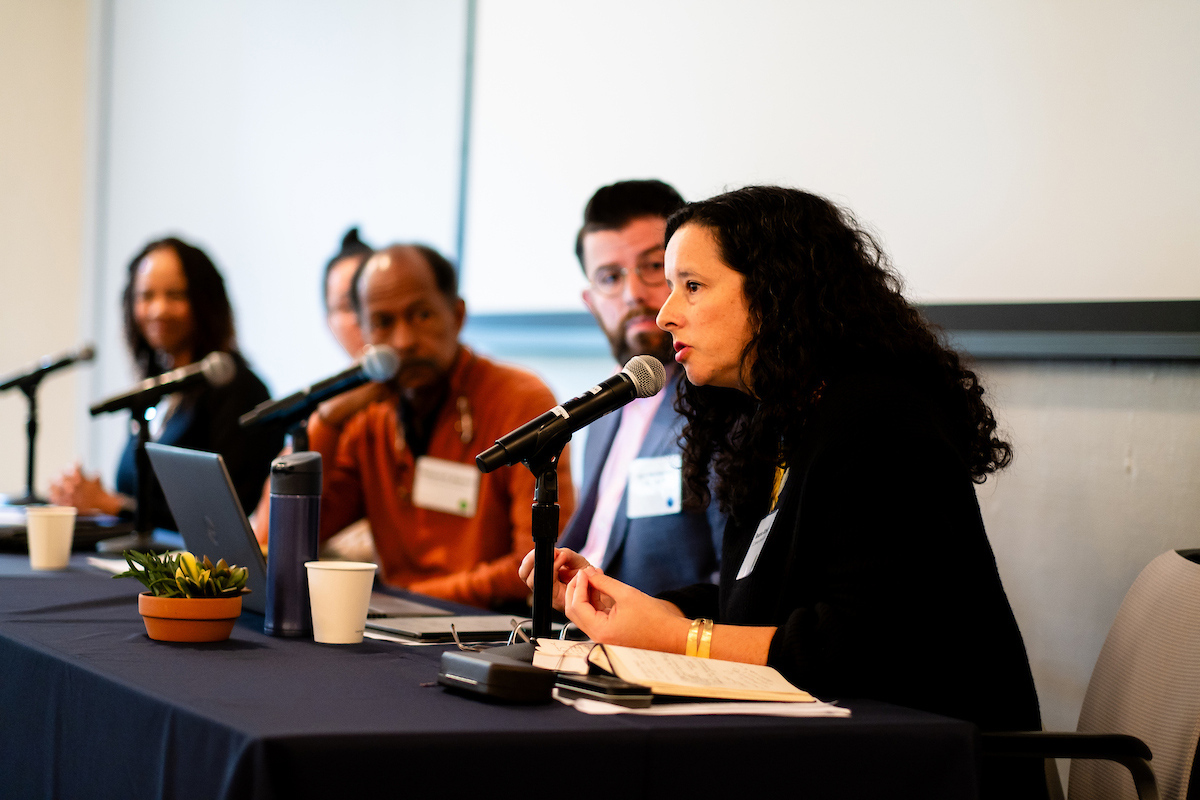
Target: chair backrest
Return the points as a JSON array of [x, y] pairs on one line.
[[1147, 683]]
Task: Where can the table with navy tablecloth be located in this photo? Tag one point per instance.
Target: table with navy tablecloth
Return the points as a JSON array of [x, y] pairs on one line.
[[90, 707]]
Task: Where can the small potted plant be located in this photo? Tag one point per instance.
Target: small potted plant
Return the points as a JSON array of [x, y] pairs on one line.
[[187, 600]]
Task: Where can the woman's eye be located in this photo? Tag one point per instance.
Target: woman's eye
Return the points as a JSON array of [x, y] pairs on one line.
[[692, 286]]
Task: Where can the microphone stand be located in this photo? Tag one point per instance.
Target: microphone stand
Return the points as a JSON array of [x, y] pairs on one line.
[[142, 537], [545, 513], [29, 388], [298, 432]]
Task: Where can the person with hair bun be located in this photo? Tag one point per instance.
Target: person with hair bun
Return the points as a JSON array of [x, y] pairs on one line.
[[176, 312], [844, 439], [341, 317]]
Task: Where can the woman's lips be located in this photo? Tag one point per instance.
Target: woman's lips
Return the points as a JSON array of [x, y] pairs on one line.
[[681, 351]]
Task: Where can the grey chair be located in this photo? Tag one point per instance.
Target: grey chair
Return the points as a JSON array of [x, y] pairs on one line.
[[1143, 700]]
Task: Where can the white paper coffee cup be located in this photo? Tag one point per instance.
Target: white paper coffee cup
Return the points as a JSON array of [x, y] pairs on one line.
[[50, 530], [340, 593]]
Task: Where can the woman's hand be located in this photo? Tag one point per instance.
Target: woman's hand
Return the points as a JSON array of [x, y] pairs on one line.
[[611, 612], [566, 564], [73, 488]]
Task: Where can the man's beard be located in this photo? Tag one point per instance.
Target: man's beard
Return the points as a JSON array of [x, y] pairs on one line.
[[657, 344], [416, 375]]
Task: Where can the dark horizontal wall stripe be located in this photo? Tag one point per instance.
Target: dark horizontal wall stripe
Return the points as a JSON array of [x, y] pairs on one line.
[[1137, 330], [1160, 316], [1059, 345]]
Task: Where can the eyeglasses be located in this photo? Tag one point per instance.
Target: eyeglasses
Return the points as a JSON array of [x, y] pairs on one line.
[[610, 281]]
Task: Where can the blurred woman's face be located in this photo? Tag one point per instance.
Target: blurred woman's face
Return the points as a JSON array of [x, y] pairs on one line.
[[160, 305], [706, 313], [339, 313]]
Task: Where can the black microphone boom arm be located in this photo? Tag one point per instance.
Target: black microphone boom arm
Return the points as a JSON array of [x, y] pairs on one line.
[[547, 434]]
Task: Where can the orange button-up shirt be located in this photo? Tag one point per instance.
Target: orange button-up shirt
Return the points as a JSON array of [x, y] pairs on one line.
[[369, 470]]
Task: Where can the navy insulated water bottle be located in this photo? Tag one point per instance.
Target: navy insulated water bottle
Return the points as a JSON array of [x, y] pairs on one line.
[[293, 530]]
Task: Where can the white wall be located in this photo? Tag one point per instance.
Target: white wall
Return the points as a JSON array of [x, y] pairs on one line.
[[1013, 150], [260, 130], [1105, 476], [43, 80]]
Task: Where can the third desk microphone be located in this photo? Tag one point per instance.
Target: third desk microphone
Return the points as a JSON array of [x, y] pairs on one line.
[[378, 363]]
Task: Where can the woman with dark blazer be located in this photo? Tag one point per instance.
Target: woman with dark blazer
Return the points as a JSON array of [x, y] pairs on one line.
[[845, 440], [176, 312]]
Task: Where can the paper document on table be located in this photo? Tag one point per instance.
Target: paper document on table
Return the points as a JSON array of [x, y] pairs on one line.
[[672, 673], [757, 709], [113, 565]]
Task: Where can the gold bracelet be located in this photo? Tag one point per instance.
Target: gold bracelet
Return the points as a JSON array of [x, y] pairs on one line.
[[693, 634], [705, 638]]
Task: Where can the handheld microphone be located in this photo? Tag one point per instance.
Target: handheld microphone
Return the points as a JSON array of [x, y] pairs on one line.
[[216, 368], [378, 363], [47, 365], [642, 376]]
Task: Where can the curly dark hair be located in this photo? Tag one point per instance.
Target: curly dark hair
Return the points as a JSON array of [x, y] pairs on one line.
[[824, 301], [211, 313]]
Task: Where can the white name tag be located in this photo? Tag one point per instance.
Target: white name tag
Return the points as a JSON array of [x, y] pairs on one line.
[[756, 545], [655, 486], [442, 485]]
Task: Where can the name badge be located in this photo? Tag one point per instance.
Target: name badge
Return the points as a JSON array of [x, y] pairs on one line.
[[756, 545], [655, 486], [442, 485]]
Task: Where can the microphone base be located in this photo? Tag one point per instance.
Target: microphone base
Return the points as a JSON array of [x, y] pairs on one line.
[[139, 540], [26, 500]]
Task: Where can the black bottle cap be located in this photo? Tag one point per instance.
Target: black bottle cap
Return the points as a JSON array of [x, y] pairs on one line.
[[298, 473]]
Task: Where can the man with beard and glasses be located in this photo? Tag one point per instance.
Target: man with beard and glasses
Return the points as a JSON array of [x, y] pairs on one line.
[[632, 521], [407, 462]]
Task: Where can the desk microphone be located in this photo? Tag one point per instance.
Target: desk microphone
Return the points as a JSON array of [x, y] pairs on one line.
[[216, 368], [47, 365], [642, 376], [378, 363]]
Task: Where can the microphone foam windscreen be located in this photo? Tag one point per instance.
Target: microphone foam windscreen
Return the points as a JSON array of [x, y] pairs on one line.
[[379, 362], [218, 368], [647, 373]]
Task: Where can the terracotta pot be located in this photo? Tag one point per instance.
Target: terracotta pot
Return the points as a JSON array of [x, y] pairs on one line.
[[189, 619]]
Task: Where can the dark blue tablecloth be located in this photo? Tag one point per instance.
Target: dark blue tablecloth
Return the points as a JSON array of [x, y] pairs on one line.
[[92, 708]]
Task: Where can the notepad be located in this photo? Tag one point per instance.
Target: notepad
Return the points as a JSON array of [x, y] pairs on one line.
[[673, 674]]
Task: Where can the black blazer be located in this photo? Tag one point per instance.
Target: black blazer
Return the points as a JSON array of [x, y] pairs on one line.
[[207, 419], [878, 573]]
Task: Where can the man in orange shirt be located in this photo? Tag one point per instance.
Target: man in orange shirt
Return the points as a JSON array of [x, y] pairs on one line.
[[408, 462]]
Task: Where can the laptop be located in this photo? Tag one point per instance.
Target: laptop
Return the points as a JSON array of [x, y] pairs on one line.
[[481, 628], [211, 520]]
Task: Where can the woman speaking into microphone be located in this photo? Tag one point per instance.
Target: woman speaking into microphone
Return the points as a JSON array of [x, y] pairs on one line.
[[844, 441], [176, 312]]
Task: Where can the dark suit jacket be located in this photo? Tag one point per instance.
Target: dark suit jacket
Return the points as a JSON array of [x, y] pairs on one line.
[[651, 553], [207, 419]]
